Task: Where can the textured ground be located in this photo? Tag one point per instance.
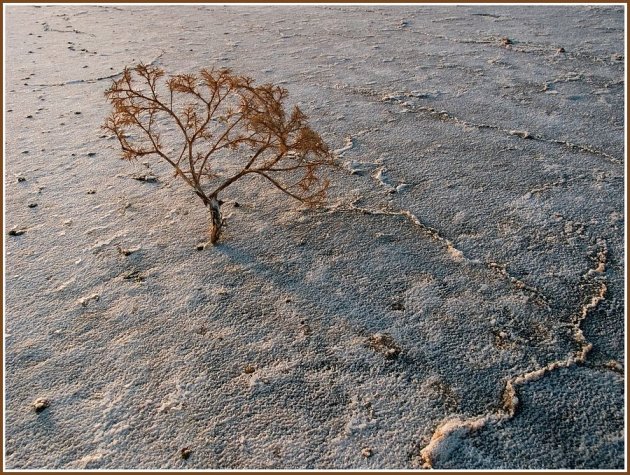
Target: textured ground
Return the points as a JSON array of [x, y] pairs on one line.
[[476, 232]]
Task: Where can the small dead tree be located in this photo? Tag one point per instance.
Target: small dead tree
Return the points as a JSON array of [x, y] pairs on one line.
[[191, 121]]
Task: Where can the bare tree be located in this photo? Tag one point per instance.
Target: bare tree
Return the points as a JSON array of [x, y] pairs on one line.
[[190, 121]]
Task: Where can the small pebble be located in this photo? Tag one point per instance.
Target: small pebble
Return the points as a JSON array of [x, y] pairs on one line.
[[561, 50], [40, 404], [29, 116], [91, 154], [77, 113], [185, 453], [16, 232], [520, 133], [91, 192], [127, 252], [398, 306], [32, 205], [21, 179], [249, 369], [25, 151], [201, 246], [366, 452], [237, 204]]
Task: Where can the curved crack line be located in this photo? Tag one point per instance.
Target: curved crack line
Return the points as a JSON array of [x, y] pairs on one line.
[[94, 80], [458, 255], [445, 116], [519, 47], [457, 427], [47, 27], [399, 99], [455, 253]]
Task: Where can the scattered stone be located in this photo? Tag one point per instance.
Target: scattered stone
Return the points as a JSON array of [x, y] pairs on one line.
[[561, 50], [86, 300], [29, 116], [384, 344], [366, 452], [614, 366], [236, 204], [249, 369], [32, 205], [398, 306], [91, 154], [90, 192], [127, 252], [185, 453], [146, 178], [201, 246], [134, 275], [25, 152], [21, 179], [520, 133], [77, 113], [40, 404], [506, 41], [16, 232]]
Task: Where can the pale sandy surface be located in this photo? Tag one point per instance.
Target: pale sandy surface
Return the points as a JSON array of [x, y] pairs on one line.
[[497, 267]]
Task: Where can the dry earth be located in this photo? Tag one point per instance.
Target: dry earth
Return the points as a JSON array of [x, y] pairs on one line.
[[459, 303]]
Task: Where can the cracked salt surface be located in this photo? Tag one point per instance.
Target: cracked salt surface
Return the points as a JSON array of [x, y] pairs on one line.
[[471, 319]]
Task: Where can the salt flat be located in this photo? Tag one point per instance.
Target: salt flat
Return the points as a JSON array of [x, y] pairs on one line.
[[475, 229]]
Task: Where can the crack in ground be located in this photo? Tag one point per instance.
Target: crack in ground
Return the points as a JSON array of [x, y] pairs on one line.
[[94, 80], [458, 255], [447, 117], [527, 47], [47, 27], [459, 428], [537, 296], [400, 97], [455, 253]]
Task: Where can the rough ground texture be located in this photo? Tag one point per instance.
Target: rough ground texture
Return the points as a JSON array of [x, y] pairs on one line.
[[459, 303]]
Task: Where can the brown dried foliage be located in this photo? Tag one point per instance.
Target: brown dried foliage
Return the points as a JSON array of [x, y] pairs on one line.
[[211, 113]]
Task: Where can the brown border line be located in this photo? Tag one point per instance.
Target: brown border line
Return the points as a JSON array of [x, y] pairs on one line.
[[312, 2]]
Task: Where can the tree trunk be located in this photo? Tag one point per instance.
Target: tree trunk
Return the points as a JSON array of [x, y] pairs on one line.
[[216, 222]]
